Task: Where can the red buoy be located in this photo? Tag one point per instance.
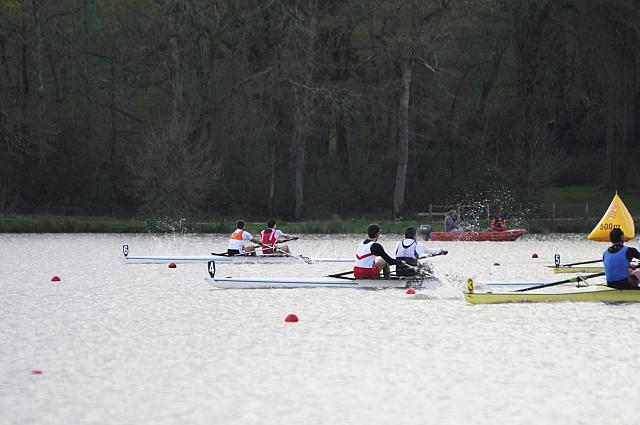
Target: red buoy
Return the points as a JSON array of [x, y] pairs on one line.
[[55, 278], [496, 264], [534, 255], [291, 318], [172, 265], [36, 372], [410, 291]]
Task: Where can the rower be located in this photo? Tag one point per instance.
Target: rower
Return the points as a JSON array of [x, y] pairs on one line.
[[409, 250], [498, 224], [617, 263], [367, 266], [236, 241], [451, 222], [270, 236]]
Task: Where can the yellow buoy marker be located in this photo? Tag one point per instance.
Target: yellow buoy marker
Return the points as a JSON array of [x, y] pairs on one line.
[[617, 215]]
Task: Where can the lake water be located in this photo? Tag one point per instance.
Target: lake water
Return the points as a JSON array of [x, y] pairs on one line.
[[145, 344]]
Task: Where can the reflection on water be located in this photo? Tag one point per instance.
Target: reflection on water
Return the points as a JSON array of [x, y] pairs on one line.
[[151, 345]]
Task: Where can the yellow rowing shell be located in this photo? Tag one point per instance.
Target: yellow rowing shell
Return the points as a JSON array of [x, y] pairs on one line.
[[577, 269], [588, 293]]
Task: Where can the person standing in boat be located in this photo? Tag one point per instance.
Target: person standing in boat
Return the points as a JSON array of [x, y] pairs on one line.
[[236, 241], [371, 258], [409, 250], [451, 222], [270, 236], [617, 263]]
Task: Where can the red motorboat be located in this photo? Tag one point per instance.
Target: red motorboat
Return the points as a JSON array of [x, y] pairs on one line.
[[487, 235]]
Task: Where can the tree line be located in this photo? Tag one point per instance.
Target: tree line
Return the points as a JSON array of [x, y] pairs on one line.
[[303, 108]]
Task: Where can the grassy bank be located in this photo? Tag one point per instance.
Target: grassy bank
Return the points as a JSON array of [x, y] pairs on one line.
[[563, 210], [54, 224], [60, 224]]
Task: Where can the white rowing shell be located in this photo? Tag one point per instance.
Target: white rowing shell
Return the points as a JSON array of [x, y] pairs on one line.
[[202, 259], [329, 282], [242, 259]]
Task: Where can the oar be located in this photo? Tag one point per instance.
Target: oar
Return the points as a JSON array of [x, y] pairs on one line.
[[573, 279], [260, 245], [343, 276], [288, 254], [226, 254], [351, 271], [340, 274], [580, 263]]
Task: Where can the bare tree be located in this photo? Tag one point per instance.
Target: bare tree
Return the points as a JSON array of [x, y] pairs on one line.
[[307, 26], [411, 30]]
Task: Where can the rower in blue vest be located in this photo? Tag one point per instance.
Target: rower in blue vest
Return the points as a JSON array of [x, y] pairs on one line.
[[617, 258]]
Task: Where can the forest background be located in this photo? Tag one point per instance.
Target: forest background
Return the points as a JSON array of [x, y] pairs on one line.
[[308, 109]]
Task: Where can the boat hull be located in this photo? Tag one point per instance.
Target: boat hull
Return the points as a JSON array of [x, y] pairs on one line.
[[600, 293], [577, 269], [326, 282], [220, 258], [223, 259], [507, 235]]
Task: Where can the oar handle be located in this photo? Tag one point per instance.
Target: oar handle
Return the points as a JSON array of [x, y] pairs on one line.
[[259, 244], [573, 279]]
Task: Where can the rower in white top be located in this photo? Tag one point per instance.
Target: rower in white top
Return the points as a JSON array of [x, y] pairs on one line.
[[271, 235], [236, 241], [410, 250]]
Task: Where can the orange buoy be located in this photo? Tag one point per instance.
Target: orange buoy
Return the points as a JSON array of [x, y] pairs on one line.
[[291, 318], [172, 265], [55, 278], [534, 255], [36, 372], [410, 291], [496, 264]]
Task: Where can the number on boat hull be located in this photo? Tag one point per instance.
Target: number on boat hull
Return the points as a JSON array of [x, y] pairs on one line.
[[212, 268], [470, 286], [125, 250], [557, 260]]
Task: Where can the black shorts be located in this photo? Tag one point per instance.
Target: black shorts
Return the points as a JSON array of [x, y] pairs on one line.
[[622, 284], [232, 252]]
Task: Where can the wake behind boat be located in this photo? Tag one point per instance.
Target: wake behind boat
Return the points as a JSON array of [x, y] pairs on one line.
[[219, 258]]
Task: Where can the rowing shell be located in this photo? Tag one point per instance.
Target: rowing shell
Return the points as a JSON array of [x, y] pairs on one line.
[[576, 269], [300, 282], [584, 293], [331, 282], [239, 259]]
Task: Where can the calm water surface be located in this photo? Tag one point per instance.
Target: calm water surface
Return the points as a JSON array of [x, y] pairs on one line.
[[144, 344]]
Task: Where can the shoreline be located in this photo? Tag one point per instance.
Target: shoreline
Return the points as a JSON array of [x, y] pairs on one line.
[[336, 225]]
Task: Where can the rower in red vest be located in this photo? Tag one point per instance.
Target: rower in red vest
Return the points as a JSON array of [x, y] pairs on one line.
[[270, 236], [236, 241], [498, 224], [367, 266]]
